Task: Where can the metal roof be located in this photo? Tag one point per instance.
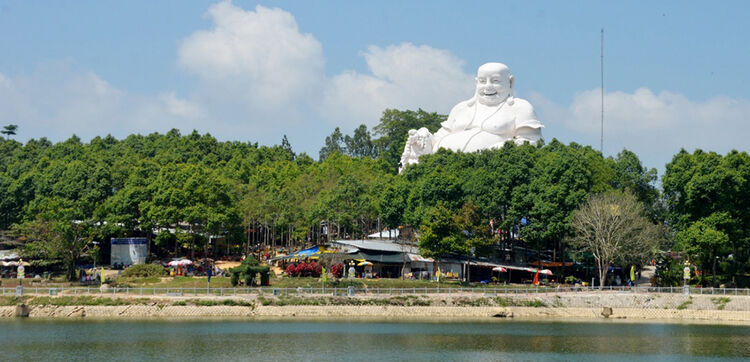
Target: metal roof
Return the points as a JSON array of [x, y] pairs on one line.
[[378, 245]]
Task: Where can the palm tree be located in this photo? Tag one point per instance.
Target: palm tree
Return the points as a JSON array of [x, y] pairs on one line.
[[9, 130]]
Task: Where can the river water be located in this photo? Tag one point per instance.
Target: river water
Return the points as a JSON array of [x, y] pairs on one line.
[[33, 340]]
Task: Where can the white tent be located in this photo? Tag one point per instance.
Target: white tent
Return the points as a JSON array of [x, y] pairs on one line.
[[384, 234]]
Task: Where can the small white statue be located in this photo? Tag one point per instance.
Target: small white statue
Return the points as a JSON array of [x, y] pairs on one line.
[[419, 143], [490, 118]]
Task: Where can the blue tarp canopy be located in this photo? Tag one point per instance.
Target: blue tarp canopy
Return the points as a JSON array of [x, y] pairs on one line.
[[300, 254], [308, 252]]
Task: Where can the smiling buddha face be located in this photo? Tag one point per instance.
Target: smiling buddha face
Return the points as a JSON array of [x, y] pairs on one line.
[[494, 84]]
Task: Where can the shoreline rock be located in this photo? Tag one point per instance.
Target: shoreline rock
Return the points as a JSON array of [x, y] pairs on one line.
[[572, 307], [390, 313]]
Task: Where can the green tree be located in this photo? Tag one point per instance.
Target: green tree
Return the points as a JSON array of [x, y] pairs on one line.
[[333, 143], [450, 233], [703, 243], [360, 144], [9, 130], [53, 236], [715, 190], [441, 235], [561, 179], [393, 130], [287, 147]]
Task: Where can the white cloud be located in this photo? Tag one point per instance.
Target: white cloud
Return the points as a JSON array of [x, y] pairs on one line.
[[259, 76], [401, 76], [258, 59], [654, 125], [55, 102], [180, 107]]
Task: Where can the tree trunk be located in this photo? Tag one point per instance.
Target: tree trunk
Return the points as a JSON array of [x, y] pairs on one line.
[[562, 261], [603, 269], [713, 282], [539, 256], [247, 246], [71, 270], [148, 245]]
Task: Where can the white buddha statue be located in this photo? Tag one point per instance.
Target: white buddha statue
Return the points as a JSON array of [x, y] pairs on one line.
[[487, 120]]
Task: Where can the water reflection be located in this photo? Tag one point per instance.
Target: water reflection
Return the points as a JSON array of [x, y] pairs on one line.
[[274, 340]]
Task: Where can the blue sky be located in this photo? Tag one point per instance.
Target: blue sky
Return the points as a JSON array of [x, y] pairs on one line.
[[254, 71]]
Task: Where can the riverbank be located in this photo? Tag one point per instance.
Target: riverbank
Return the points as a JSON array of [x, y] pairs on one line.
[[623, 307]]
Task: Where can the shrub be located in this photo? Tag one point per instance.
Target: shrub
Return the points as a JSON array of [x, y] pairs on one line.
[[307, 269], [312, 269], [337, 270], [248, 271], [315, 269], [291, 270], [144, 271], [229, 302], [249, 279]]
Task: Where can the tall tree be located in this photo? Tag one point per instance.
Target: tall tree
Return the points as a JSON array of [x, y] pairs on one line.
[[441, 234], [613, 227], [286, 146], [360, 144], [703, 243], [9, 130], [715, 190], [54, 236], [334, 143], [393, 130]]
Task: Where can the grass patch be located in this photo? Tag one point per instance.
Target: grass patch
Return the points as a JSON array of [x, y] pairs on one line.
[[172, 282], [685, 304], [409, 301], [87, 300], [73, 301], [227, 302], [510, 302], [472, 302], [14, 300], [144, 270], [213, 302], [720, 302], [286, 282]]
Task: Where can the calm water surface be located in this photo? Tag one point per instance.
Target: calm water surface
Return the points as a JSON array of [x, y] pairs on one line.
[[28, 340]]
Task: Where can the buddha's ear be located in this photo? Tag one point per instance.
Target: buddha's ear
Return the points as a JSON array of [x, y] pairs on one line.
[[511, 78]]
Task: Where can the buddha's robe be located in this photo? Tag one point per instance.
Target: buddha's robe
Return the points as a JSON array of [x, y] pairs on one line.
[[472, 127]]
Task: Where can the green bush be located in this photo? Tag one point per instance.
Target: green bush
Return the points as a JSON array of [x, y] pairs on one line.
[[227, 302], [248, 279], [248, 271], [144, 271]]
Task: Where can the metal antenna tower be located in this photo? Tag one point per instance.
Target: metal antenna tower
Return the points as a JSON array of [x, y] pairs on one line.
[[601, 135]]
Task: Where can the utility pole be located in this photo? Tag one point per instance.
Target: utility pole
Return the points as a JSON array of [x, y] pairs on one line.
[[601, 135]]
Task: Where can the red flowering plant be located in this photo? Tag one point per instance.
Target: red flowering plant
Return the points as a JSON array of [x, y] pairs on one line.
[[337, 270], [315, 269], [291, 270]]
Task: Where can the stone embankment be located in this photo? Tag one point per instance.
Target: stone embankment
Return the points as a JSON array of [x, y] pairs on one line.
[[562, 306]]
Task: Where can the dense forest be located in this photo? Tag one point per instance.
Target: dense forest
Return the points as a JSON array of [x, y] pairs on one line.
[[193, 194]]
